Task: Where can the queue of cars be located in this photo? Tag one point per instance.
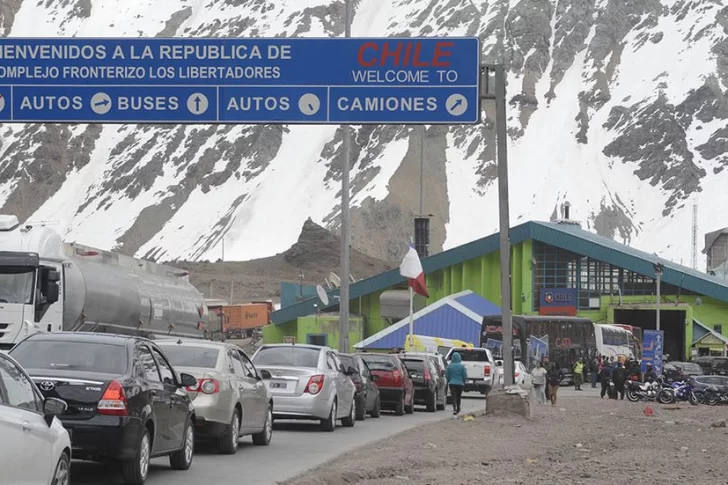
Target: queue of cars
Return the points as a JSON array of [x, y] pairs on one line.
[[127, 399]]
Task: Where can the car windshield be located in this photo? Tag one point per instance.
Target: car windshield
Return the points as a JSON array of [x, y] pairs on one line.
[[188, 356], [67, 355], [414, 365], [347, 360], [473, 355], [380, 363], [16, 284], [691, 368], [289, 356]]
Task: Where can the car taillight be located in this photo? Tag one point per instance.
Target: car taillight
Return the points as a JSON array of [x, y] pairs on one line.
[[205, 386], [315, 384], [515, 374], [427, 375], [486, 370], [113, 402], [397, 376]]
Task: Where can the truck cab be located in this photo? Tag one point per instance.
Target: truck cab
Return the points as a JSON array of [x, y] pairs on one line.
[[29, 287], [480, 366]]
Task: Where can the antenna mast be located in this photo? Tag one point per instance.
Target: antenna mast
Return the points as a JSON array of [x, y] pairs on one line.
[[694, 254]]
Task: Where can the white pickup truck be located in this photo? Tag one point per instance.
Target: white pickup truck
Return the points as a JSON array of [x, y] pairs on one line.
[[480, 366]]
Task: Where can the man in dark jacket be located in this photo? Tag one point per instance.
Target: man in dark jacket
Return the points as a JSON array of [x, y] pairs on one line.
[[605, 377], [620, 375], [650, 375]]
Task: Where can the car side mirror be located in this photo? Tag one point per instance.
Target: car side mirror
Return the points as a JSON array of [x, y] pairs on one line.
[[187, 380], [53, 407], [264, 374]]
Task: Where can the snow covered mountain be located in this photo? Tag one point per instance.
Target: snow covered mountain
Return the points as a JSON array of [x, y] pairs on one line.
[[618, 106]]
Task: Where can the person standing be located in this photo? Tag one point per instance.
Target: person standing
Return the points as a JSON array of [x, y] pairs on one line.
[[457, 376], [554, 378], [605, 377], [539, 382], [594, 369], [620, 375], [578, 374]]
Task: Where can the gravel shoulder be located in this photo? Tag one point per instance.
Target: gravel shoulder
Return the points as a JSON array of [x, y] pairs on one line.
[[584, 440]]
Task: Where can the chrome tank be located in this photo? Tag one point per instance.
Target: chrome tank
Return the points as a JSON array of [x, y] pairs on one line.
[[105, 291]]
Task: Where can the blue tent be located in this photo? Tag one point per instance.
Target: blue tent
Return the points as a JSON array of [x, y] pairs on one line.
[[458, 317]]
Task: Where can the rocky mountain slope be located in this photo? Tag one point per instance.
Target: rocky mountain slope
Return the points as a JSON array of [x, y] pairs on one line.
[[619, 107], [314, 255]]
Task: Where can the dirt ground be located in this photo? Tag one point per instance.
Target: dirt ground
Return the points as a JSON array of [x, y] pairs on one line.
[[315, 254], [584, 440]]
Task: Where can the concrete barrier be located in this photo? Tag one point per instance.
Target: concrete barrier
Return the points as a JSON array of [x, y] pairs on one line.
[[511, 400]]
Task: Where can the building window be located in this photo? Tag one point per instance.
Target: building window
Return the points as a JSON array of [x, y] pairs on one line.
[[718, 328], [317, 339], [552, 268]]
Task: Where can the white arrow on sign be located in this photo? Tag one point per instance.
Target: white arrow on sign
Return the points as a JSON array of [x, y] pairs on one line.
[[197, 103]]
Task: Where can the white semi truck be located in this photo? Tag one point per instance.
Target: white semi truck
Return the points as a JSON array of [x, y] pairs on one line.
[[47, 285]]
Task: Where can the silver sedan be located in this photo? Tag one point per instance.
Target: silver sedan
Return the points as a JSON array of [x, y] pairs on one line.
[[308, 382], [230, 398]]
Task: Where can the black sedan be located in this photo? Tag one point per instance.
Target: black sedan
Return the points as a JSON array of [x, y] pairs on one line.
[[367, 396], [125, 401], [424, 378]]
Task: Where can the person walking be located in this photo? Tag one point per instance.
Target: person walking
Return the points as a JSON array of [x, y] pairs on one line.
[[594, 369], [554, 378], [539, 382], [605, 377], [457, 376], [578, 374]]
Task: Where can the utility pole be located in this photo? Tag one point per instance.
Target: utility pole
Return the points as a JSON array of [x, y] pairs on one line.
[[658, 274], [422, 171], [344, 287]]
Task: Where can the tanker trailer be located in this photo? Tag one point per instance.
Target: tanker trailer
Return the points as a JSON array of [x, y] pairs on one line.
[[50, 286]]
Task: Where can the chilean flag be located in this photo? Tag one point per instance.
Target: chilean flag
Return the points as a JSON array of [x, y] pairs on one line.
[[411, 268]]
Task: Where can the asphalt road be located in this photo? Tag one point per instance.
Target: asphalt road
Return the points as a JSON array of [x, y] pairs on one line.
[[295, 448]]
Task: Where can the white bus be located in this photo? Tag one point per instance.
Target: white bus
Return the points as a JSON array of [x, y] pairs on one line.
[[613, 341]]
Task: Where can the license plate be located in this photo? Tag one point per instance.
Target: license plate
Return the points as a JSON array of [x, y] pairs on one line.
[[278, 385]]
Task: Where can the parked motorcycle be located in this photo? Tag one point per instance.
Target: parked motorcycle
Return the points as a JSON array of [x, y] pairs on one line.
[[679, 391], [714, 396], [635, 390]]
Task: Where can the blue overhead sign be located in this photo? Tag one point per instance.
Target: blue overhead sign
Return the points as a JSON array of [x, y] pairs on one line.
[[301, 80]]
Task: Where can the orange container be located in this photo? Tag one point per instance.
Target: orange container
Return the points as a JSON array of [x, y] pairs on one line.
[[246, 316]]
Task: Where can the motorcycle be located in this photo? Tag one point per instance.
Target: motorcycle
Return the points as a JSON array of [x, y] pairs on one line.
[[714, 396], [679, 391], [635, 390]]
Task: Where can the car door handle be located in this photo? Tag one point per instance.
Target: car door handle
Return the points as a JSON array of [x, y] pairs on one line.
[[26, 426]]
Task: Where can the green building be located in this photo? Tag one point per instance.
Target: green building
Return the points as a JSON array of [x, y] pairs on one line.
[[592, 276]]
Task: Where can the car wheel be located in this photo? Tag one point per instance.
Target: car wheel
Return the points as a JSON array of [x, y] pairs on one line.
[[399, 408], [135, 471], [377, 411], [329, 424], [350, 420], [228, 443], [182, 458], [361, 409], [263, 438], [441, 406], [430, 402], [62, 475], [410, 408]]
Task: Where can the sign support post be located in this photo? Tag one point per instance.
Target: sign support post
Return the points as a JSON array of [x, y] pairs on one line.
[[499, 96], [345, 223]]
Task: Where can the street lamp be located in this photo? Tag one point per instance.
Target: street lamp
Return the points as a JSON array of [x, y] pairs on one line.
[[658, 274]]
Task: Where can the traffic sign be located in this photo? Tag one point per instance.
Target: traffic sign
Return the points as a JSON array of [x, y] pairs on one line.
[[247, 81]]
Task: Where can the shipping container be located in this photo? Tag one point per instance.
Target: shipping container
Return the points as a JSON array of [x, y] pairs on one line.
[[246, 316]]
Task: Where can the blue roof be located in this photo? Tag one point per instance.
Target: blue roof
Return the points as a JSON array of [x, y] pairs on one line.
[[457, 317], [569, 237], [478, 304]]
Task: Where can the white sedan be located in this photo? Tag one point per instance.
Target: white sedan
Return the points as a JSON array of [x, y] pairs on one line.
[[36, 447], [522, 377]]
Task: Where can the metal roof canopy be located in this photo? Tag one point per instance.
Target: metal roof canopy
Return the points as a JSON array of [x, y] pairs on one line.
[[569, 237], [458, 316]]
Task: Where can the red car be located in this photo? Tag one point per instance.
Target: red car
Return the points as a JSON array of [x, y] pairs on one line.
[[392, 378]]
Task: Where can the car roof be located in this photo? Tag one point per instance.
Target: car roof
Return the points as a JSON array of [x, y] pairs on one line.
[[304, 346], [87, 337], [194, 343]]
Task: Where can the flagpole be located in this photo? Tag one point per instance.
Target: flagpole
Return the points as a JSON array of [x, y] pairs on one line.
[[412, 320]]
